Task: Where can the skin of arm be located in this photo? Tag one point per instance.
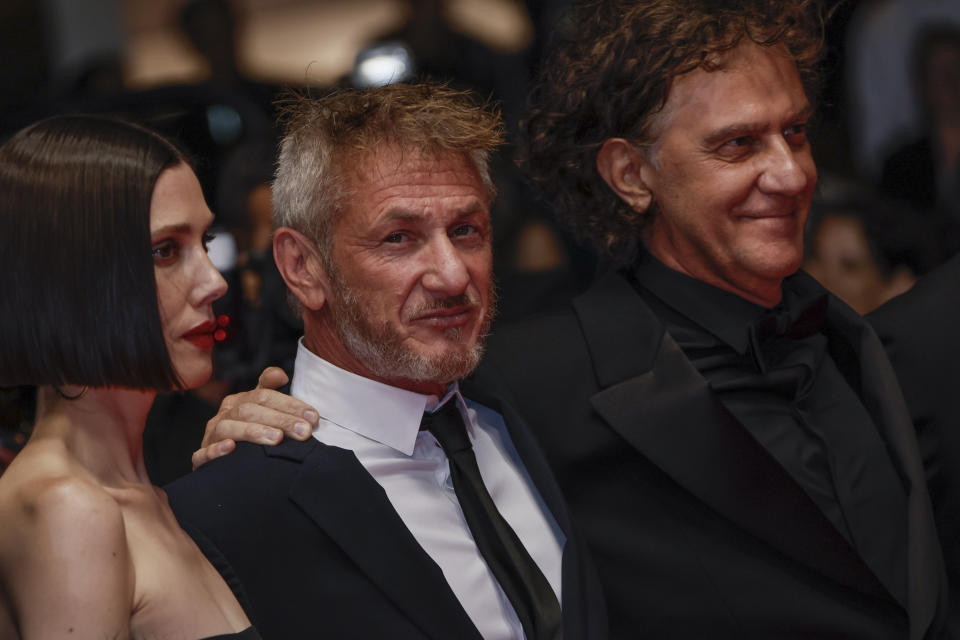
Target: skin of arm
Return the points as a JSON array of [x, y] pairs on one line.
[[64, 560]]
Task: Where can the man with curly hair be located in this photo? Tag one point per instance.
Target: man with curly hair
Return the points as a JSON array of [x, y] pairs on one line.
[[730, 436]]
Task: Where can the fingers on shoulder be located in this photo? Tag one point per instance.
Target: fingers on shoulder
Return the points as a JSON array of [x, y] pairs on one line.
[[260, 415], [211, 452], [272, 377], [247, 404]]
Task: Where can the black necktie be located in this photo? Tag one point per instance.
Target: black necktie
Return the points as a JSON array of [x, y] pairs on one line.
[[521, 580]]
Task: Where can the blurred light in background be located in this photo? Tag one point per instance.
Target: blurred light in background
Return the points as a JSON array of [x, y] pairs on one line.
[[222, 249], [383, 64], [312, 42]]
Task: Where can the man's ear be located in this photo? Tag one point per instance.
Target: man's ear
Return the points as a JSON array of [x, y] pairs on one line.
[[620, 165], [300, 265]]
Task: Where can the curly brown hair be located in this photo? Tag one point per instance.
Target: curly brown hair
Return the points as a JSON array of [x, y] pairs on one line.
[[612, 77]]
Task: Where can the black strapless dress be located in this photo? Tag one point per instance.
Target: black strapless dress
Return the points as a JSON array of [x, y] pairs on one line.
[[247, 634]]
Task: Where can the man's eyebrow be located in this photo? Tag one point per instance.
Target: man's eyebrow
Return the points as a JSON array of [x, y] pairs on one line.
[[803, 113], [405, 215], [738, 129], [473, 207]]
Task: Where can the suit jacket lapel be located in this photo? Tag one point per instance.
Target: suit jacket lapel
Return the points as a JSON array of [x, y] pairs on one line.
[[338, 494], [657, 401], [867, 368]]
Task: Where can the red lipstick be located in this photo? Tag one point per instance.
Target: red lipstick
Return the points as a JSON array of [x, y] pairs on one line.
[[201, 335]]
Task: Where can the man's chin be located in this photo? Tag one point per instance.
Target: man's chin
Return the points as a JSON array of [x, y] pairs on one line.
[[423, 354], [445, 367], [438, 362]]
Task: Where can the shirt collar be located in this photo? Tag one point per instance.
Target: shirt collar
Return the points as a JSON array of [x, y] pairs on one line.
[[698, 301], [377, 411]]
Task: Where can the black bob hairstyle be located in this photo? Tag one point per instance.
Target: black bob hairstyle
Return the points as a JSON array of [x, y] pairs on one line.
[[79, 293]]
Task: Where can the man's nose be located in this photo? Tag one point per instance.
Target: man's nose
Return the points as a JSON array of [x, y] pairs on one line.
[[446, 272], [785, 170]]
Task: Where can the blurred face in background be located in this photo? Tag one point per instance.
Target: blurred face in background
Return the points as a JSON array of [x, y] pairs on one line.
[[841, 260], [941, 84]]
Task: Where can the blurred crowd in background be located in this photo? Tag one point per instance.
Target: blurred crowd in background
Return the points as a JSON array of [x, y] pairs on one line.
[[886, 138]]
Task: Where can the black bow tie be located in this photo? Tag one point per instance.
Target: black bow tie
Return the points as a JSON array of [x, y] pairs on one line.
[[795, 319]]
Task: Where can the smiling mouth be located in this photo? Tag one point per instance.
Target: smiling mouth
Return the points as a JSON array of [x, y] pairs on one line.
[[770, 216]]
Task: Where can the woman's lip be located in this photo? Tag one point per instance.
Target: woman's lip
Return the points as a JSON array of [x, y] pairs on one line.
[[204, 327], [202, 334], [201, 340]]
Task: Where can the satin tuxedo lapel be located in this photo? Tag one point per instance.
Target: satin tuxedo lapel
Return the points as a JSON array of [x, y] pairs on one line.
[[337, 493], [861, 358], [657, 401]]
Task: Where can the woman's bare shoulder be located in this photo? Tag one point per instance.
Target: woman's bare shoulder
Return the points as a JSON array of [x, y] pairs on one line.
[[43, 489], [63, 541], [50, 510]]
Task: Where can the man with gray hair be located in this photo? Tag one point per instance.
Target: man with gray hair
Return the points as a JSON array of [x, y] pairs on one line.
[[413, 512]]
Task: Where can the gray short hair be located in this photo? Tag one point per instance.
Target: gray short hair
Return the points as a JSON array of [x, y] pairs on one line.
[[323, 135]]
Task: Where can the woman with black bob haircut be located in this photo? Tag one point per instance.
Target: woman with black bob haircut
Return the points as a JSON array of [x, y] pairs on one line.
[[107, 298]]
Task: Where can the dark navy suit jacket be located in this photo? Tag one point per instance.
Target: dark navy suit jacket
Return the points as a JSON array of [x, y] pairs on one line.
[[312, 547]]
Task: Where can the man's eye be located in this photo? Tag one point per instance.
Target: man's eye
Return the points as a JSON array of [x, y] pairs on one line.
[[796, 134], [165, 252], [396, 237], [464, 230], [741, 141], [207, 239]]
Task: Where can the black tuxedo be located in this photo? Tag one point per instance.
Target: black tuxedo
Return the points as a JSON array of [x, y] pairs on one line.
[[696, 530], [312, 547], [921, 332]]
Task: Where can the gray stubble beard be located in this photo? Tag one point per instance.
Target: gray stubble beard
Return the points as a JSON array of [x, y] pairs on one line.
[[381, 351]]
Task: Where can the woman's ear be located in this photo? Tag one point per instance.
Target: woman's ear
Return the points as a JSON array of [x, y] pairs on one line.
[[301, 267], [621, 165]]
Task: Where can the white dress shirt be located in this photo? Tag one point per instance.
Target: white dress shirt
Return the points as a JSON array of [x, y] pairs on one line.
[[381, 425]]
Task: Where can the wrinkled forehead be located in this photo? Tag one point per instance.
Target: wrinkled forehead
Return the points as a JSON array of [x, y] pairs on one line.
[[431, 187], [394, 165]]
